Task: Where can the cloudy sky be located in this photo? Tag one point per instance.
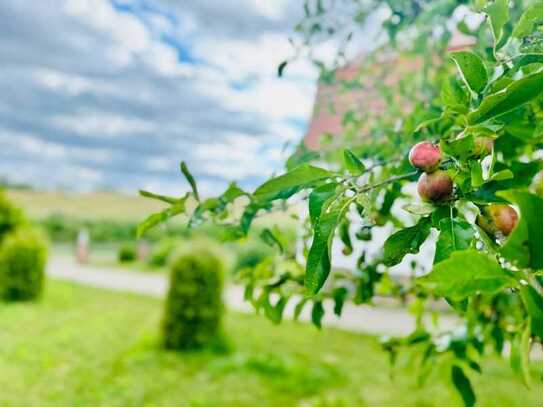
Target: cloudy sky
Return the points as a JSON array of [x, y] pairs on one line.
[[114, 93]]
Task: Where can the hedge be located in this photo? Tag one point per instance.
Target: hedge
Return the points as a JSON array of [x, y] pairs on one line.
[[22, 265], [194, 306]]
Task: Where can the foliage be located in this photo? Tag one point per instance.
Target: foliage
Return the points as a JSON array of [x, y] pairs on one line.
[[250, 254], [11, 217], [22, 265], [127, 252], [194, 308], [483, 107]]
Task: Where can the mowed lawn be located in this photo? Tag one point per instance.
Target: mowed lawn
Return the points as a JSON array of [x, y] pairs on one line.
[[89, 347]]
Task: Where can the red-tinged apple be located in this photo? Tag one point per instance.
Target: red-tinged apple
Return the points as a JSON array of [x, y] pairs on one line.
[[435, 187], [425, 156], [498, 218]]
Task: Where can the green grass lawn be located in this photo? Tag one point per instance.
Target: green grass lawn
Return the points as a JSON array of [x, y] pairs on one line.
[[81, 346]]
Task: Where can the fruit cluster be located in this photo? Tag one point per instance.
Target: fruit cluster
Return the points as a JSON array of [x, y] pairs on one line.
[[434, 185]]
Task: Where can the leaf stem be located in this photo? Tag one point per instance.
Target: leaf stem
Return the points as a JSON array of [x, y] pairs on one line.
[[534, 282], [369, 169]]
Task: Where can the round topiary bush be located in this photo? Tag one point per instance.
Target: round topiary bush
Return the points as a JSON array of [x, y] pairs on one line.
[[11, 217], [127, 253], [194, 307], [22, 265]]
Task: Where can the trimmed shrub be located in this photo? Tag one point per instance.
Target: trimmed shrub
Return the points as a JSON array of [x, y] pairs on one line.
[[194, 307], [11, 217], [22, 265], [127, 253]]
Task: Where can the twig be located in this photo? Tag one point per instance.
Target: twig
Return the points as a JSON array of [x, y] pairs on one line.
[[534, 282], [387, 181]]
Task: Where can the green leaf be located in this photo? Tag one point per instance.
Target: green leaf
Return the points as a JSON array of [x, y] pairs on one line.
[[345, 237], [530, 18], [319, 257], [299, 308], [463, 386], [272, 238], [422, 209], [250, 213], [232, 192], [523, 246], [454, 96], [302, 155], [460, 148], [472, 69], [288, 184], [534, 306], [476, 174], [466, 273], [520, 354], [275, 312], [501, 175], [352, 163], [406, 241], [454, 235], [515, 95], [160, 217], [317, 312], [190, 179], [498, 13], [339, 294], [217, 205], [168, 199], [317, 199]]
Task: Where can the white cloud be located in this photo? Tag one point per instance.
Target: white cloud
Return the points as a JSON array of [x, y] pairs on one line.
[[164, 59], [125, 29], [100, 89], [273, 9], [101, 124], [57, 80]]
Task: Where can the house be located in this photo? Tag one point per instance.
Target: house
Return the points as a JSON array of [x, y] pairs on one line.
[[335, 98]]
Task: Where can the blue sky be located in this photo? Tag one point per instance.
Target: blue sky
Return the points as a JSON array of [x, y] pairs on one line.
[[114, 93]]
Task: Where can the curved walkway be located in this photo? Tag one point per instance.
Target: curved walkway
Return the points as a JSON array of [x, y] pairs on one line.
[[380, 320]]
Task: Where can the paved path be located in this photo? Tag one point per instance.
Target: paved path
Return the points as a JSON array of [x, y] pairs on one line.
[[374, 320]]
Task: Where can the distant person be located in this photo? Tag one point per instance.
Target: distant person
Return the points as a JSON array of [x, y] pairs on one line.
[[82, 246], [143, 250]]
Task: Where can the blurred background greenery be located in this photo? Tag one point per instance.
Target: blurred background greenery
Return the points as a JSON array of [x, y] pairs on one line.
[[79, 345]]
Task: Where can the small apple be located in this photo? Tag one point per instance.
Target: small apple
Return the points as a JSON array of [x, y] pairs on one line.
[[425, 156], [498, 218], [435, 187]]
